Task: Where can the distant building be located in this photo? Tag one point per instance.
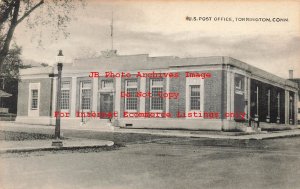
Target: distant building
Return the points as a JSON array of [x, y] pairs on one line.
[[8, 95], [223, 94], [4, 95]]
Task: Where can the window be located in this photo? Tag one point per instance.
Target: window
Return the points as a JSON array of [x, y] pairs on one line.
[[107, 84], [65, 85], [86, 95], [278, 105], [269, 102], [65, 95], [156, 87], [34, 99], [195, 97], [239, 82], [257, 100], [291, 109], [131, 89]]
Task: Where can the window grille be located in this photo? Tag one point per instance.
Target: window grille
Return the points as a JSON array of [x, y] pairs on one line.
[[65, 95], [195, 97], [86, 95], [156, 88], [34, 99], [131, 89]]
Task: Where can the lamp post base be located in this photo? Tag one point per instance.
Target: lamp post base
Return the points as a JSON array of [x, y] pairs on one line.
[[57, 143]]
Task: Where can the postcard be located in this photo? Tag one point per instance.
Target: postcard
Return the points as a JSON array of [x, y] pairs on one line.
[[149, 94]]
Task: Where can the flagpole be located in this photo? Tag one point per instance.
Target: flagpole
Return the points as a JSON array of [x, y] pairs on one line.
[[112, 31]]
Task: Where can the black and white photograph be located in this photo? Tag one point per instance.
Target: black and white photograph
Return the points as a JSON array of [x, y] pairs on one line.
[[137, 94]]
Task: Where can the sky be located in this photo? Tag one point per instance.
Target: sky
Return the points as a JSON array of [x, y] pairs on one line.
[[160, 28]]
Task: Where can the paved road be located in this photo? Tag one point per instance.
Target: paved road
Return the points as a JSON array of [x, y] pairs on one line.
[[160, 163]]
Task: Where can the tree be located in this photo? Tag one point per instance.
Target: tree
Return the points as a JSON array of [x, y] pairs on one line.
[[10, 75], [13, 12], [12, 63]]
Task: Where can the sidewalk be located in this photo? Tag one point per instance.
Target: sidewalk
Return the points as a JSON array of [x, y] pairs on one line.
[[12, 146], [45, 145], [11, 126]]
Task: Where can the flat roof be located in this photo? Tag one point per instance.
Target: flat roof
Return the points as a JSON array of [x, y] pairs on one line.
[[144, 62]]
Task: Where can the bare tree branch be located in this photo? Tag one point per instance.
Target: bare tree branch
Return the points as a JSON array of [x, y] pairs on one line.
[[13, 12], [30, 11]]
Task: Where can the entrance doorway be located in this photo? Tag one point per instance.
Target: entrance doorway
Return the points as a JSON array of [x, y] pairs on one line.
[[106, 105]]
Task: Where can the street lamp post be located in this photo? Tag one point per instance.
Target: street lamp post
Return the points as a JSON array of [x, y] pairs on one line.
[[58, 98], [57, 141]]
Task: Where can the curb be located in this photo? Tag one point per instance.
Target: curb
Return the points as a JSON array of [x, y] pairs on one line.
[[221, 137], [51, 148], [217, 137], [281, 136], [261, 136]]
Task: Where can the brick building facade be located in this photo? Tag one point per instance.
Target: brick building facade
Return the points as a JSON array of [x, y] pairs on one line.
[[232, 92]]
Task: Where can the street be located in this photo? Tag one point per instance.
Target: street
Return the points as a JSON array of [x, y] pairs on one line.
[[159, 163], [137, 94]]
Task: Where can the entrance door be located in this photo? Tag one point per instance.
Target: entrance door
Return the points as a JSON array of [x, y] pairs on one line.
[[106, 105], [239, 105]]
